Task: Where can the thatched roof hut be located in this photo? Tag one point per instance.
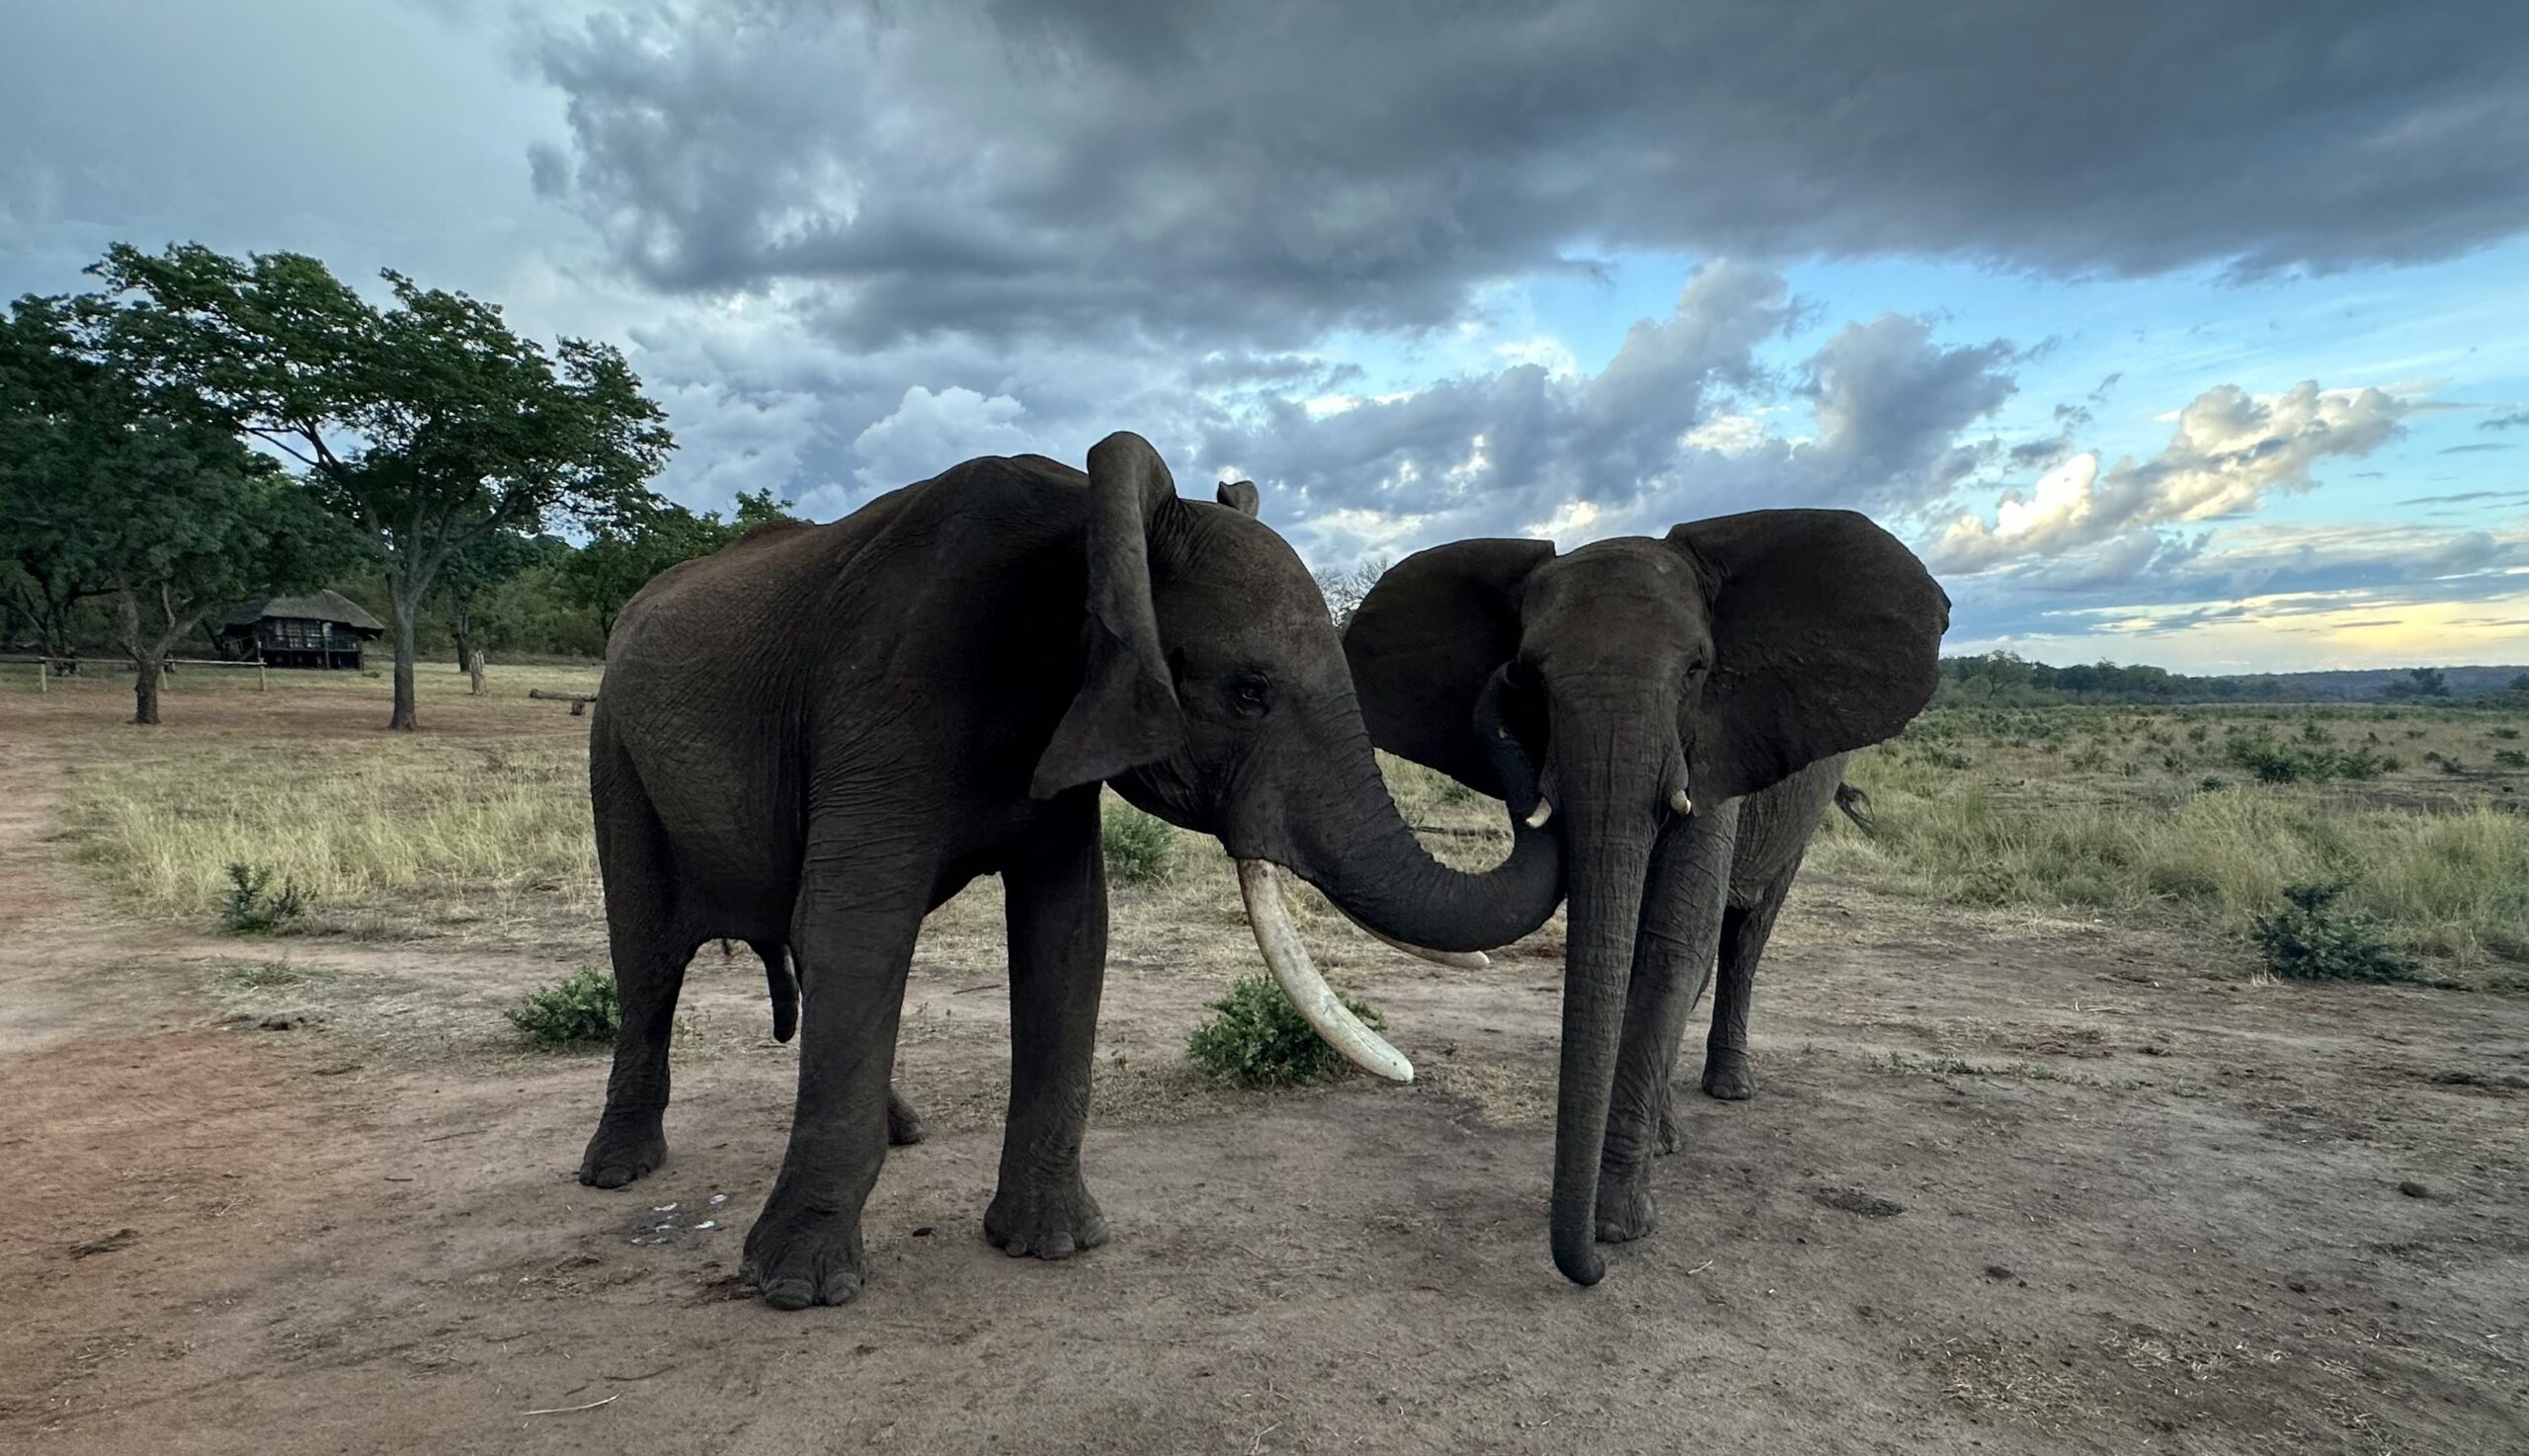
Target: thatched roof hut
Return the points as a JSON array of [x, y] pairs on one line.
[[322, 630]]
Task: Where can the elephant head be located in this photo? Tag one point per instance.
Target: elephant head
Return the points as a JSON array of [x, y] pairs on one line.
[[1642, 678], [1214, 694]]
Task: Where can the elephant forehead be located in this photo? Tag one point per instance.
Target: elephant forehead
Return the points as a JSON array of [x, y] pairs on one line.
[[1628, 589]]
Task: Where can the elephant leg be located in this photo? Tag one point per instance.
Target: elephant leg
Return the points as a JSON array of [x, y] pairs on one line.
[[1745, 929], [649, 951], [852, 938], [904, 1124], [1056, 894], [1671, 952]]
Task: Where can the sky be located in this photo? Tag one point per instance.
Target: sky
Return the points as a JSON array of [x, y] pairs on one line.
[[2187, 334]]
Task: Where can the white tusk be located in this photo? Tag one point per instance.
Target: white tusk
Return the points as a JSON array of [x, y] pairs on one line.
[[1296, 974], [1679, 802], [1456, 960], [1540, 814]]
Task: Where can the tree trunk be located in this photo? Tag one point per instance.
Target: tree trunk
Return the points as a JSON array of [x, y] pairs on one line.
[[405, 599], [144, 688], [460, 625]]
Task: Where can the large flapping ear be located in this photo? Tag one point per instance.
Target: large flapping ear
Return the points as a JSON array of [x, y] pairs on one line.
[[1825, 636], [1238, 495], [1127, 711], [1424, 640]]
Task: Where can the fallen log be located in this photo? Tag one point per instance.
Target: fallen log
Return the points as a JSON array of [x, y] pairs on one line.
[[578, 701]]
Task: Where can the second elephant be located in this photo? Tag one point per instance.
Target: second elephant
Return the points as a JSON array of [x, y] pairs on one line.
[[1654, 683]]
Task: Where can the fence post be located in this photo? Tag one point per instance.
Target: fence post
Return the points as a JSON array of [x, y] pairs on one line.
[[262, 685], [474, 670]]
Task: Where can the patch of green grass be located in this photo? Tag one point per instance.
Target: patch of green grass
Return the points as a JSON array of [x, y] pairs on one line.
[[263, 975], [253, 907], [1256, 1039], [2313, 937], [1141, 848], [578, 1010]]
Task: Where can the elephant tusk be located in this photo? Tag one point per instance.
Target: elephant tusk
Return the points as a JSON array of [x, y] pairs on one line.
[[1297, 975], [1540, 814], [1456, 960], [1679, 801]]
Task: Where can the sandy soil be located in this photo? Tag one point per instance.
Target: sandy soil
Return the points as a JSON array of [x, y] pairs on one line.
[[2009, 1184]]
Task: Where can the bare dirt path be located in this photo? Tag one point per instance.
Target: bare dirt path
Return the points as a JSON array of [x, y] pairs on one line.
[[2008, 1185]]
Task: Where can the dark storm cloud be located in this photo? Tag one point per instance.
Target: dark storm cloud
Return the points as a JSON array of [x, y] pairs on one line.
[[1267, 172]]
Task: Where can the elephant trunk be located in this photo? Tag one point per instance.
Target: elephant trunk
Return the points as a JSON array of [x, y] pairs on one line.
[[1616, 782], [1358, 850]]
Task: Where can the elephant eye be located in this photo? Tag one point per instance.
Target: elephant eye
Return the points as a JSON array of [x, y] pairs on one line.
[[1252, 695]]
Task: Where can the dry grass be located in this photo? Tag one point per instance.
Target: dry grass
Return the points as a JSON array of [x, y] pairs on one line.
[[408, 818], [2143, 812]]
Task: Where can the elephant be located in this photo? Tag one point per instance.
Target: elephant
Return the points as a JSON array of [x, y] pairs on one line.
[[1655, 684], [813, 737]]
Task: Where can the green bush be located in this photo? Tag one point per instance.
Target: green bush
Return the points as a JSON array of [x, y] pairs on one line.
[[575, 1011], [2511, 757], [1256, 1039], [1140, 850], [253, 908], [2504, 733], [2313, 939]]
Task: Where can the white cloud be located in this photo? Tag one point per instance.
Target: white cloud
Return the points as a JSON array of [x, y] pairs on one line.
[[929, 432], [2231, 450]]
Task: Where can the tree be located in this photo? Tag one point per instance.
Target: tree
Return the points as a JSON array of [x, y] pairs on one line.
[[621, 559], [1345, 589], [481, 565], [45, 567], [2417, 682], [143, 497], [428, 424]]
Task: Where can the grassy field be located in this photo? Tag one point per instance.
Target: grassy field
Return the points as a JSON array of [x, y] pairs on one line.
[[2207, 814], [2189, 816]]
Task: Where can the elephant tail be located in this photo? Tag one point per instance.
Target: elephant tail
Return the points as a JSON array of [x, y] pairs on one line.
[[783, 986], [1856, 807]]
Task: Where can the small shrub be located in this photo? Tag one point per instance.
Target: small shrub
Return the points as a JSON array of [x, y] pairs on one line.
[[2313, 939], [2314, 731], [2360, 764], [2451, 764], [2091, 759], [1256, 1039], [253, 908], [1141, 849], [576, 1011], [2511, 757], [2212, 783], [2506, 733]]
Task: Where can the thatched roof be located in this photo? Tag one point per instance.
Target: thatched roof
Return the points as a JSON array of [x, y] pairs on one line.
[[328, 605]]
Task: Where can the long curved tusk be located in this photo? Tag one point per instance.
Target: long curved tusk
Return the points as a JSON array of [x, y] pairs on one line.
[[1681, 802], [1296, 974], [1540, 814], [1456, 960]]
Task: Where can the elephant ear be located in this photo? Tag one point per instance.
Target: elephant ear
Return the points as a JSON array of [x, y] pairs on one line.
[[1825, 636], [1424, 642], [1238, 495], [1125, 713]]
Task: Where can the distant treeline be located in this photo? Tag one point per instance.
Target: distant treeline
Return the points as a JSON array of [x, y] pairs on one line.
[[2008, 679]]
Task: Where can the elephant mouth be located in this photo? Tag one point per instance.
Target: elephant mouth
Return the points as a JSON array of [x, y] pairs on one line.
[[1295, 972]]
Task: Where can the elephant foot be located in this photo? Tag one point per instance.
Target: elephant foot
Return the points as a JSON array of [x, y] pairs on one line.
[[799, 1256], [627, 1146], [1053, 1219], [1625, 1209], [904, 1124], [1727, 1075]]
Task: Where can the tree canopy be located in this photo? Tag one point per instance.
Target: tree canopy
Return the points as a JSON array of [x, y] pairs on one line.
[[428, 424]]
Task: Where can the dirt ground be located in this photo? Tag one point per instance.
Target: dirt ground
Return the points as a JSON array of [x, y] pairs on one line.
[[2010, 1183]]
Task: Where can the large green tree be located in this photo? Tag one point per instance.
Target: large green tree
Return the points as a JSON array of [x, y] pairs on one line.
[[46, 567], [480, 566], [427, 423], [139, 495]]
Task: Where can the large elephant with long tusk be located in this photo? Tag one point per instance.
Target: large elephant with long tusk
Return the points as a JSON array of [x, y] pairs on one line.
[[813, 737]]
